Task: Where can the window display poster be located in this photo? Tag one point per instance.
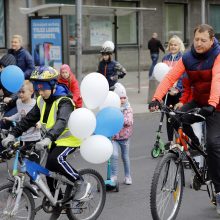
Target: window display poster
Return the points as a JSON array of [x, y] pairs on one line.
[[100, 31], [46, 41]]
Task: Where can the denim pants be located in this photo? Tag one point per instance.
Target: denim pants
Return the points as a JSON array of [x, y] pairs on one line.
[[124, 145], [154, 58]]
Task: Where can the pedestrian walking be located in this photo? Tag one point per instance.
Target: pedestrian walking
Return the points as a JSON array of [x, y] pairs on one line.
[[154, 45]]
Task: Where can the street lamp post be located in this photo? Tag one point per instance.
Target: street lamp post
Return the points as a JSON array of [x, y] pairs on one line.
[[78, 39]]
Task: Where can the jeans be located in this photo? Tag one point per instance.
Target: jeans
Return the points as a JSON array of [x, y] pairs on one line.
[[154, 58], [124, 145]]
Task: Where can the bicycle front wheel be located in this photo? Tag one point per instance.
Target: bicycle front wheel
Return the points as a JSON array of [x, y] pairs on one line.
[[9, 210], [91, 208], [167, 188]]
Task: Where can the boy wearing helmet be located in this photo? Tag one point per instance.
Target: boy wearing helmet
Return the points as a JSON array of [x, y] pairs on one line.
[[108, 67], [53, 109]]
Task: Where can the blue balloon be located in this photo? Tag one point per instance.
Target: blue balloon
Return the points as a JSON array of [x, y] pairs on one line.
[[12, 78], [109, 121]]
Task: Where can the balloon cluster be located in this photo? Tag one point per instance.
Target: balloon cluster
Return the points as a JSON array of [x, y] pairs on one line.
[[96, 130]]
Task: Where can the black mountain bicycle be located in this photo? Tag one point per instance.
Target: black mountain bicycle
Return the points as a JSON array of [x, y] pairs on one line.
[[168, 179]]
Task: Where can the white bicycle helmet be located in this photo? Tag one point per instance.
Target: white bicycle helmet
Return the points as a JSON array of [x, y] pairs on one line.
[[108, 47]]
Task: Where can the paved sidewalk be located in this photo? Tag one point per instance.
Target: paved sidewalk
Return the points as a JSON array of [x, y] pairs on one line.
[[137, 100]]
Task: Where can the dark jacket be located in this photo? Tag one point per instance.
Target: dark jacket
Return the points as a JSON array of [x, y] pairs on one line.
[[154, 45], [112, 70], [65, 108], [24, 60]]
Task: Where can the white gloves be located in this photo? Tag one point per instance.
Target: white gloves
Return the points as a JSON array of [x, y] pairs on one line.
[[10, 138], [43, 143]]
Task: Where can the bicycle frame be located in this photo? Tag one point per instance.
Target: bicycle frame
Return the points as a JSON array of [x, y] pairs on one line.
[[35, 171], [183, 140]]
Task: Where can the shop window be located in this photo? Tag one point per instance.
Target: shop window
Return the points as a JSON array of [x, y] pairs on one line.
[[127, 25], [2, 24], [175, 26]]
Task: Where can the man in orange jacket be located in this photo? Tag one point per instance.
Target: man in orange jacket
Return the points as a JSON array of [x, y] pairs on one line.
[[202, 64]]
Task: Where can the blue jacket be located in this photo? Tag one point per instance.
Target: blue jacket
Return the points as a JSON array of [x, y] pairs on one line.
[[24, 60], [107, 68], [171, 61]]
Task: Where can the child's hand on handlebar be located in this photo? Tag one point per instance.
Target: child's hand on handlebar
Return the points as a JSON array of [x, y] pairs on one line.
[[7, 140]]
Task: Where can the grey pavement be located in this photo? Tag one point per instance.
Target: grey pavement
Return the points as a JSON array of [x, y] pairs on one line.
[[137, 97]]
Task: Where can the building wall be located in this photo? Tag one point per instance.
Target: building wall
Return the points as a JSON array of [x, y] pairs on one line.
[[151, 21]]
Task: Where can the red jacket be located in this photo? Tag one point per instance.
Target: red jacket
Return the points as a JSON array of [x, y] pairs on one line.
[[73, 86]]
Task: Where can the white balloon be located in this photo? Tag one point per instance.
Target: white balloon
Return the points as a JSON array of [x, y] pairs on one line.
[[160, 70], [96, 149], [112, 100], [82, 123], [94, 89]]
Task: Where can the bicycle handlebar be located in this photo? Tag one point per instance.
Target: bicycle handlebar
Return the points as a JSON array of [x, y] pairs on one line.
[[172, 112]]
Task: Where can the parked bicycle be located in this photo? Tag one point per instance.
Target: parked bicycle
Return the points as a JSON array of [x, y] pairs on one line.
[[16, 197], [168, 179]]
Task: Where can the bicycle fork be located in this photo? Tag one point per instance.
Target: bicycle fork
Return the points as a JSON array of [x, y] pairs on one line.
[[17, 191]]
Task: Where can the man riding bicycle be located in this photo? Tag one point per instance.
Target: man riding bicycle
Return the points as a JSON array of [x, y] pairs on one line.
[[202, 64], [53, 109]]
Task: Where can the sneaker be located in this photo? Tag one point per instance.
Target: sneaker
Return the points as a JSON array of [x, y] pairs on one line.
[[35, 188], [82, 190], [218, 203], [128, 180], [114, 178]]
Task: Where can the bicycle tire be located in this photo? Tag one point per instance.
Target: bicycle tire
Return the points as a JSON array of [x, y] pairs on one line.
[[26, 195], [155, 152], [98, 188], [175, 192]]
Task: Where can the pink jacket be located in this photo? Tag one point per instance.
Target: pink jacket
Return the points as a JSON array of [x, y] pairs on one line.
[[127, 130]]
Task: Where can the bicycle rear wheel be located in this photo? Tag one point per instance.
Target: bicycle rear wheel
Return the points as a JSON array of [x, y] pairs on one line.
[[7, 204], [92, 207], [167, 188]]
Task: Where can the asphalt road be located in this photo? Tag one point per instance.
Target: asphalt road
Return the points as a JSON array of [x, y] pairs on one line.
[[132, 202]]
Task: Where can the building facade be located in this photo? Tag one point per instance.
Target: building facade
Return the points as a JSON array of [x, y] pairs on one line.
[[133, 31]]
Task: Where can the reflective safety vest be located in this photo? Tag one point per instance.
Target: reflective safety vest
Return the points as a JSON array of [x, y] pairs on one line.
[[65, 138]]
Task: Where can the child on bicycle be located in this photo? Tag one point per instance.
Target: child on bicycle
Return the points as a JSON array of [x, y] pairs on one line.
[[24, 104], [122, 139], [108, 67], [53, 109]]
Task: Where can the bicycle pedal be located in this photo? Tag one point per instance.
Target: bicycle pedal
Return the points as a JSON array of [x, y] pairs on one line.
[[186, 165]]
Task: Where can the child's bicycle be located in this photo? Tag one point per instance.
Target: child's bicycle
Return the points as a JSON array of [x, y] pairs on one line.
[[16, 197], [168, 179]]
